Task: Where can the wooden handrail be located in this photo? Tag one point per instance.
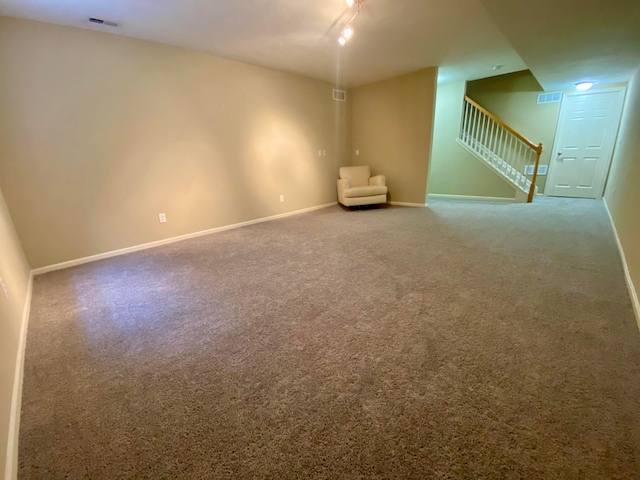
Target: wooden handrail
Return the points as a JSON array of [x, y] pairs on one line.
[[532, 189], [529, 143]]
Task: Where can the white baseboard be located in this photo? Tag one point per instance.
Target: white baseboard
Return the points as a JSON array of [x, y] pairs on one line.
[[471, 197], [11, 466], [145, 246], [633, 293], [405, 204]]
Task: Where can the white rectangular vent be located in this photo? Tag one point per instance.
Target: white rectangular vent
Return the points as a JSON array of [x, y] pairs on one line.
[[101, 21], [542, 169], [340, 95], [552, 97]]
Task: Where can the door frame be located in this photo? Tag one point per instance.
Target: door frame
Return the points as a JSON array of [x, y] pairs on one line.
[[563, 107]]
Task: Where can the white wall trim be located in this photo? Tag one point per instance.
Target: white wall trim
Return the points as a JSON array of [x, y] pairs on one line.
[[406, 204], [471, 197], [627, 275], [145, 246], [11, 467]]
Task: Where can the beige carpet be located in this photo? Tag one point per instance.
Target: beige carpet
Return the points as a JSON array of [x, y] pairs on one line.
[[460, 341]]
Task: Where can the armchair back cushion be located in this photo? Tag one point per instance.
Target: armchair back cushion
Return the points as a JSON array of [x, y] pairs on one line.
[[357, 176]]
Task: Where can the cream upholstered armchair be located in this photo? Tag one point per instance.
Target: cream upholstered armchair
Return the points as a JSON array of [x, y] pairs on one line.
[[356, 187]]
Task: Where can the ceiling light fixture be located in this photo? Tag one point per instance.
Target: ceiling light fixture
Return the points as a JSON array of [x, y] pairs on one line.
[[582, 86], [347, 31]]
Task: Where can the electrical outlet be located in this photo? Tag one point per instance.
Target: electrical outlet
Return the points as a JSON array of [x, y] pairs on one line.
[[162, 217], [282, 198], [319, 153], [357, 152], [324, 153], [4, 287]]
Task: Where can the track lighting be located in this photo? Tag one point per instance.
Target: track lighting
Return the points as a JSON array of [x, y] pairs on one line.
[[347, 32]]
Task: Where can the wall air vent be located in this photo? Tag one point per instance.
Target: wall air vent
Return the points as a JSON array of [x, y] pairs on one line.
[[340, 95], [551, 97], [103, 22]]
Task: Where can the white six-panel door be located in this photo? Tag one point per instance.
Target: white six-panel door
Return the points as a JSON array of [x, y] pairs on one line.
[[585, 138]]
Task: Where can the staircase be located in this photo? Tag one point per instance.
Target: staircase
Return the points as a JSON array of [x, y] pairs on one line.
[[501, 148]]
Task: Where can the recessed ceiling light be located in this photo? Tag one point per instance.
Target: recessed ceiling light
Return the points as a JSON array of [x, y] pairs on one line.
[[350, 2], [584, 85], [342, 40]]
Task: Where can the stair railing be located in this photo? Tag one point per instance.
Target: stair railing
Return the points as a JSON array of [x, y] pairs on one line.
[[500, 145]]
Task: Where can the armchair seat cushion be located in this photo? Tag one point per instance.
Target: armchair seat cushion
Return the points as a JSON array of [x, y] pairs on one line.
[[366, 191]]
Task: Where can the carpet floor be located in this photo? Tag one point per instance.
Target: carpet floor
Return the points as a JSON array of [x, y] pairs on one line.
[[465, 340]]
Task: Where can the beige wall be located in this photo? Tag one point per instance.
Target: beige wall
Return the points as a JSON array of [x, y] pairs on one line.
[[454, 170], [99, 133], [14, 271], [622, 193], [392, 123], [513, 98]]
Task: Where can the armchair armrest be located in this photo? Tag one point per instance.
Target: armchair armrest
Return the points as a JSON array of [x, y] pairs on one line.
[[343, 184], [378, 180]]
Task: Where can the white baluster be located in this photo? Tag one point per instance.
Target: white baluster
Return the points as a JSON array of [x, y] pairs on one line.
[[464, 129], [509, 158], [500, 147], [474, 122], [483, 124], [487, 125], [496, 129]]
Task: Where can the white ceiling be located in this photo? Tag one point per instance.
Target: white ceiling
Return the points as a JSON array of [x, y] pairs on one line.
[[561, 42], [392, 36], [565, 42]]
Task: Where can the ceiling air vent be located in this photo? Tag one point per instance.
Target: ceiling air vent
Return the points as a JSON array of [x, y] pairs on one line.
[[101, 21], [552, 97], [340, 95]]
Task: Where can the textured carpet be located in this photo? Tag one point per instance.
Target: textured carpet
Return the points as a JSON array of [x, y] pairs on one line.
[[466, 340]]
